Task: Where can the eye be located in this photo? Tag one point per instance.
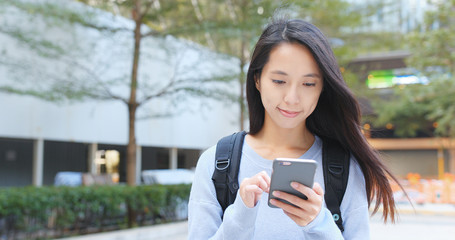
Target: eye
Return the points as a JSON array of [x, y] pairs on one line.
[[278, 81], [309, 84]]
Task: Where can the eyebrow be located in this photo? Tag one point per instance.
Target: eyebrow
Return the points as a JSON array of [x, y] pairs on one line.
[[313, 75]]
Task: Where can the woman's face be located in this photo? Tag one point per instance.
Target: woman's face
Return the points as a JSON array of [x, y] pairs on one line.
[[290, 85]]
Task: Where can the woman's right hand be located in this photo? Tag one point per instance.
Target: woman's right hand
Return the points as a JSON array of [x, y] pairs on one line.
[[252, 188]]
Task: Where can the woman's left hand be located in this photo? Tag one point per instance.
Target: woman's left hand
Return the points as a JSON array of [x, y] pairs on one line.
[[307, 210]]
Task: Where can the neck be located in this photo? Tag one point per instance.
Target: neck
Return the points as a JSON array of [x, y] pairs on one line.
[[299, 137]]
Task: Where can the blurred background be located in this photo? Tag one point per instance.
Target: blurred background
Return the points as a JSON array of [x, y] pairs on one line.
[[128, 93]]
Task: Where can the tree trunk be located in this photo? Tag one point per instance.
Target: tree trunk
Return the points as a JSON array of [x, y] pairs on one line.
[[131, 147], [132, 107], [132, 103]]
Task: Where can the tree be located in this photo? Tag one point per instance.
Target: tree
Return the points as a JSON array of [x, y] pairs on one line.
[[229, 27], [233, 27], [428, 107], [77, 75]]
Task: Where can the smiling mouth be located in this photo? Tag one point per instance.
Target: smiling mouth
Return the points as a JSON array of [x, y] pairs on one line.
[[288, 114]]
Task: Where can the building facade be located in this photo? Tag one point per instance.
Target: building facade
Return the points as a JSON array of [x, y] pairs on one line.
[[40, 138], [428, 156]]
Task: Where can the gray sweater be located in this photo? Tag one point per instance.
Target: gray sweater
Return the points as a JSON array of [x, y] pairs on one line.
[[264, 222]]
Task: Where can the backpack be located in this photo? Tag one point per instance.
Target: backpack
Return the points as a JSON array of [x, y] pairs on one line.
[[335, 161]]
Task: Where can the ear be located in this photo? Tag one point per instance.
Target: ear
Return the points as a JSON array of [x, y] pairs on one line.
[[256, 83]]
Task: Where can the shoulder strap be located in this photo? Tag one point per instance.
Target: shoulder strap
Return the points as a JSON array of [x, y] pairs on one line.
[[335, 161], [227, 162]]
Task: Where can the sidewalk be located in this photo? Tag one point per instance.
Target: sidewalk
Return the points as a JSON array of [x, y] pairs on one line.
[[179, 230], [174, 231], [413, 226], [425, 209]]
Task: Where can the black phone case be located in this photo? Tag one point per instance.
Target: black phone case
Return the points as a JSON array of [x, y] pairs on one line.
[[287, 170]]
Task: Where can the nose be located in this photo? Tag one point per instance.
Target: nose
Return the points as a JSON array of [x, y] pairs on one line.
[[292, 96]]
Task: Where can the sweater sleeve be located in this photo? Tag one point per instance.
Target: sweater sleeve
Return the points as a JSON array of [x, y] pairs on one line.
[[354, 211], [205, 219], [322, 227], [354, 207]]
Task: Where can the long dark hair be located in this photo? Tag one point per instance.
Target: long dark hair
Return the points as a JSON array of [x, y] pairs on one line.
[[337, 114]]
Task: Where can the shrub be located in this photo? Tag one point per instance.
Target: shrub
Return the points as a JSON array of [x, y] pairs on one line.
[[43, 212]]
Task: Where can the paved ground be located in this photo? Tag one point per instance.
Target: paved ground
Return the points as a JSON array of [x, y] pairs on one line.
[[435, 222], [414, 227], [429, 221], [174, 231]]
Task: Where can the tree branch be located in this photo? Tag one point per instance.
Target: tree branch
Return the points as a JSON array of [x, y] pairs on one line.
[[147, 8], [100, 82], [152, 33], [200, 18]]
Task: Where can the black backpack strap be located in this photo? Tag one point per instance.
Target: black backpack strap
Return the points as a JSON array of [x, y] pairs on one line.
[[335, 161], [227, 163]]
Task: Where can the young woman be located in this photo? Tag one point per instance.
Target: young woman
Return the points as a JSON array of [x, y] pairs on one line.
[[296, 97]]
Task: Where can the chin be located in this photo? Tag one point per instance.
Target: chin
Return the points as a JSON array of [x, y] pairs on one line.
[[289, 126], [287, 123]]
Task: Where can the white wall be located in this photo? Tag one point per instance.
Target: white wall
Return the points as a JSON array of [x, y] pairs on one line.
[[106, 122]]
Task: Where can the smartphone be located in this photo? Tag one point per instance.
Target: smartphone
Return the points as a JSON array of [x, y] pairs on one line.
[[287, 170]]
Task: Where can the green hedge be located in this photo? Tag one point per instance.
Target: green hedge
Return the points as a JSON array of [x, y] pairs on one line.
[[51, 212]]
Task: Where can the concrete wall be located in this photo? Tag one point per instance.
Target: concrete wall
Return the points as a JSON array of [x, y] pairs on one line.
[[106, 122], [430, 157], [424, 162]]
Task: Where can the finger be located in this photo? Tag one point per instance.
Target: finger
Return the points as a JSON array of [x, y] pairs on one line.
[[253, 189], [301, 221], [318, 189], [264, 181], [292, 216], [304, 190], [297, 201], [286, 207], [296, 214], [268, 180], [266, 177]]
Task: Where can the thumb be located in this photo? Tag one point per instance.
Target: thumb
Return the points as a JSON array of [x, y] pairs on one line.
[[318, 189]]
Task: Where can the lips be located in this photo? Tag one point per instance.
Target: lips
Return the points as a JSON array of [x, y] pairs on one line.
[[288, 114]]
